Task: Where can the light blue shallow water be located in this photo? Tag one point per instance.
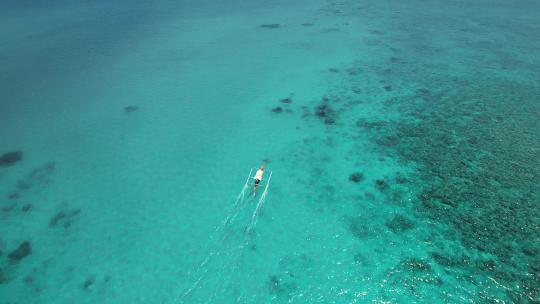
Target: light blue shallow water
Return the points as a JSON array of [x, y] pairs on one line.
[[403, 138]]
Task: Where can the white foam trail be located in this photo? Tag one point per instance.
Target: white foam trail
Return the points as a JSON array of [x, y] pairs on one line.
[[257, 211], [228, 255], [233, 213], [235, 255], [237, 204]]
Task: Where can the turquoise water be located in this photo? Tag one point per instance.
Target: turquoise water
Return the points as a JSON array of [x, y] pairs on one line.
[[403, 137]]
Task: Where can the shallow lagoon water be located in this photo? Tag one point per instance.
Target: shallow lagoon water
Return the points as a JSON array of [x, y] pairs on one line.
[[403, 139]]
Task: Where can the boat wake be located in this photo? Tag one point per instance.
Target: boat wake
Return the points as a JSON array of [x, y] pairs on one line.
[[213, 275], [255, 216]]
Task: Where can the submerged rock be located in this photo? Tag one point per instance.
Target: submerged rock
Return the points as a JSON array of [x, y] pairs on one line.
[[286, 100], [14, 196], [57, 218], [64, 217], [281, 288], [3, 278], [75, 212], [423, 91], [330, 30], [277, 110], [359, 229], [9, 207], [353, 71], [356, 177], [323, 110], [21, 252], [10, 158], [130, 109], [42, 173], [400, 179], [270, 26], [88, 283], [381, 184], [399, 223], [415, 265], [329, 121], [361, 259]]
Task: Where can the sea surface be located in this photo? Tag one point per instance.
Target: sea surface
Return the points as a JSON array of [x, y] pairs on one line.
[[403, 138]]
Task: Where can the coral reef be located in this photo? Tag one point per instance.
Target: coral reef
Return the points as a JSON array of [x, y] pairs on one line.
[[63, 217], [22, 251], [356, 177], [277, 110], [399, 223], [270, 26], [131, 109], [478, 173], [286, 100], [10, 158]]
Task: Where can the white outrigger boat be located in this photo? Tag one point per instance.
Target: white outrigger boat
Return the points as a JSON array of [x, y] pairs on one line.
[[256, 180]]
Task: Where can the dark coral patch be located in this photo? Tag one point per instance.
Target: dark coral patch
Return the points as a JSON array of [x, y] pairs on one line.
[[369, 125], [359, 229], [286, 100], [88, 283], [333, 70], [423, 91], [9, 207], [529, 251], [330, 30], [388, 88], [356, 177], [416, 265], [307, 24], [277, 110], [325, 112], [473, 140], [490, 265], [329, 121], [57, 218], [21, 252], [42, 173], [10, 158], [361, 259], [399, 223], [414, 275], [23, 185], [281, 288], [130, 109], [14, 196], [26, 207], [388, 141], [381, 184], [270, 26], [353, 71], [63, 217], [321, 111], [400, 179]]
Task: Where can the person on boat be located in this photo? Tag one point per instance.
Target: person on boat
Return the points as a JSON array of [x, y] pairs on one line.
[[258, 176]]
